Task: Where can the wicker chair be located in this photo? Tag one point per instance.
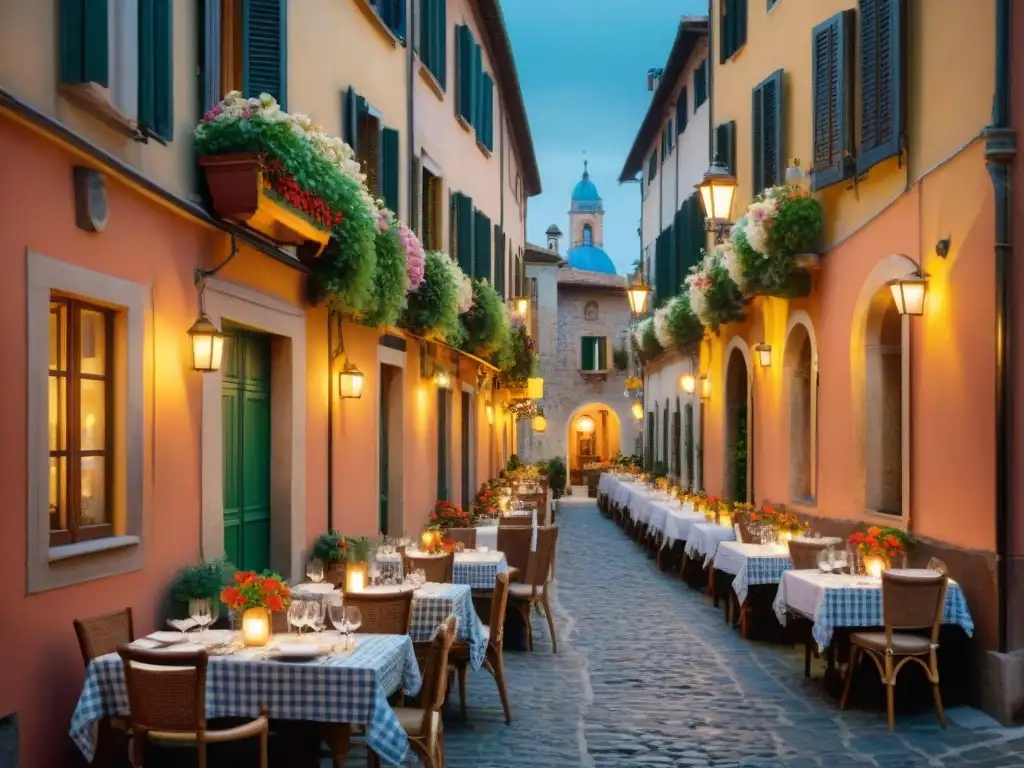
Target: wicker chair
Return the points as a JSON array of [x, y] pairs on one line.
[[438, 570], [909, 604], [384, 613], [167, 698], [423, 725], [98, 636], [493, 660], [533, 592], [804, 553], [514, 543], [466, 535], [746, 532], [515, 521]]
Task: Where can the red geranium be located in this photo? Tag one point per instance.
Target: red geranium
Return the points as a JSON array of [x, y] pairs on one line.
[[256, 591]]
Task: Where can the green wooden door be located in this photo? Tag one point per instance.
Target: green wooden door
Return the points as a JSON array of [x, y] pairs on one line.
[[246, 424]]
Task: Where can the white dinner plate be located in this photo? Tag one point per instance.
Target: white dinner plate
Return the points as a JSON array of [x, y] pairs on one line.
[[168, 638], [295, 652]]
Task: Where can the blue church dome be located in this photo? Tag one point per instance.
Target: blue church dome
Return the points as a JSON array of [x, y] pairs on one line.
[[585, 190], [590, 258]]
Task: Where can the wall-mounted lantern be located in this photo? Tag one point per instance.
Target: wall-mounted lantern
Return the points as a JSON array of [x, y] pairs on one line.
[[688, 383], [535, 388], [705, 388], [717, 193], [585, 425], [207, 344], [489, 410], [350, 382], [638, 410], [442, 379], [539, 424], [638, 293], [764, 354], [909, 294]]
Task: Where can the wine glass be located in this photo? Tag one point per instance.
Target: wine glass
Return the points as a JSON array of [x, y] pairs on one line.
[[840, 560], [824, 561], [353, 618], [200, 610], [315, 571], [315, 616], [297, 615]]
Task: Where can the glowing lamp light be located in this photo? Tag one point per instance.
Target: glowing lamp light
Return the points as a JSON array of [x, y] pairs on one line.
[[585, 425], [207, 345], [909, 295], [638, 294], [717, 193], [705, 388], [764, 355], [874, 565], [443, 379], [535, 388], [688, 384], [350, 382], [539, 424], [255, 627], [638, 410], [489, 409], [355, 577]]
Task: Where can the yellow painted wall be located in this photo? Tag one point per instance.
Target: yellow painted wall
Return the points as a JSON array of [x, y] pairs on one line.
[[949, 94]]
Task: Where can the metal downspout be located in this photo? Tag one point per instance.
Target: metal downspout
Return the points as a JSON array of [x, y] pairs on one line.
[[1000, 151]]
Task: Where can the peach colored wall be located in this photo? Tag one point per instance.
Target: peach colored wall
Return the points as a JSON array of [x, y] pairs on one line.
[[952, 365]]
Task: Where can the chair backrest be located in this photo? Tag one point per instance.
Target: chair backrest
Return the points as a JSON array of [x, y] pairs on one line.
[[166, 690], [514, 543], [804, 553], [385, 613], [101, 635], [466, 535], [435, 670], [746, 532], [499, 601], [538, 567], [532, 498], [515, 521], [437, 569], [913, 601]]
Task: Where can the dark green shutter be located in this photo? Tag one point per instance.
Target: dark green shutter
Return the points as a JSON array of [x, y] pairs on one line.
[[725, 144], [768, 160], [156, 68], [486, 128], [209, 63], [350, 116], [482, 246], [883, 81], [588, 360], [84, 42], [392, 13], [682, 111], [442, 444], [601, 342], [476, 85], [700, 85], [652, 167], [832, 100], [465, 240], [499, 261], [464, 84], [265, 49], [389, 168], [453, 224]]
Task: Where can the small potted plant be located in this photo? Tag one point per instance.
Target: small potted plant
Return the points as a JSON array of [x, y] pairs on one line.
[[199, 581], [336, 552], [254, 597], [881, 547], [449, 515]]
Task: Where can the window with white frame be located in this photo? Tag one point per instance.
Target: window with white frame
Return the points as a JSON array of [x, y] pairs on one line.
[[594, 353]]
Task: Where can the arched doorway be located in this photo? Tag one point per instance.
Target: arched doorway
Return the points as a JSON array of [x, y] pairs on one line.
[[884, 405], [737, 427], [594, 434], [801, 388]]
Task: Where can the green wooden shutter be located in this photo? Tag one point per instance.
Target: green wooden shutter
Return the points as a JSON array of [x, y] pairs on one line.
[[351, 114], [442, 444], [725, 144], [265, 49], [482, 247], [499, 260], [588, 358], [453, 224], [476, 86], [156, 68], [209, 65], [883, 81], [465, 234], [682, 111], [832, 99], [389, 155], [464, 84], [700, 85], [84, 42], [416, 182], [485, 130], [601, 342], [767, 128]]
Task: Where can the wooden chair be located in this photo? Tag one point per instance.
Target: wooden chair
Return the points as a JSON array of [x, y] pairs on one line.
[[533, 591], [515, 521], [514, 543], [167, 698], [804, 553], [466, 535], [540, 499], [909, 604], [98, 636], [437, 569], [493, 660], [423, 725], [385, 613]]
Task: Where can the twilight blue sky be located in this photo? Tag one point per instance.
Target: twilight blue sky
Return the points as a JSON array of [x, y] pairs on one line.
[[583, 68]]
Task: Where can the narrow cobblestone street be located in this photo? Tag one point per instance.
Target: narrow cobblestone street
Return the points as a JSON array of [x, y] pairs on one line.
[[648, 676]]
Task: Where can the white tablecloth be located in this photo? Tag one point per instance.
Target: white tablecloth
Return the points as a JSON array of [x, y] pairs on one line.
[[487, 535], [704, 540]]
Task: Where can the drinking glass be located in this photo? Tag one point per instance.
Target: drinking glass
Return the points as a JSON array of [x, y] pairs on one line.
[[297, 615], [374, 574], [840, 562], [315, 616], [201, 612], [353, 618], [825, 561], [315, 571]]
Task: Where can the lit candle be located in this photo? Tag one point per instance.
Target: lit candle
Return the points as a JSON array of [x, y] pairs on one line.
[[785, 537], [426, 540], [874, 566], [355, 580], [255, 627]]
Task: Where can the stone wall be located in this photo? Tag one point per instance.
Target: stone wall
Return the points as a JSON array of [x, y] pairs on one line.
[[566, 392]]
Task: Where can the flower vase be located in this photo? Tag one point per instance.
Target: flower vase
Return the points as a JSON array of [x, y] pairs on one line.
[[355, 577], [256, 627]]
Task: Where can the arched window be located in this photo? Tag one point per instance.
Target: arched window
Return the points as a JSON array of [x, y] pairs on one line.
[[802, 387], [883, 411], [588, 234]]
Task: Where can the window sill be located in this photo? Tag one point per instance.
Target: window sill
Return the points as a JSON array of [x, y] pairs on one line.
[[735, 54], [94, 99], [85, 548], [428, 77], [378, 23], [886, 519], [465, 126], [594, 375], [486, 152]]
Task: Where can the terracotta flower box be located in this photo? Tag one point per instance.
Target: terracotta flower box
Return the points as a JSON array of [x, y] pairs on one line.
[[241, 191]]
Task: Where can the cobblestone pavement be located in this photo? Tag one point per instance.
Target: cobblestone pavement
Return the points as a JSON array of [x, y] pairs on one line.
[[647, 675]]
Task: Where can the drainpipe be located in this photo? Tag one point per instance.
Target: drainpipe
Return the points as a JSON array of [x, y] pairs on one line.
[[330, 426], [1000, 151], [410, 62]]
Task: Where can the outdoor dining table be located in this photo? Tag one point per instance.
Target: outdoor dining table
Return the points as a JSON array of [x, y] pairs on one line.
[[751, 564], [474, 569], [704, 540], [343, 688], [833, 601], [487, 535]]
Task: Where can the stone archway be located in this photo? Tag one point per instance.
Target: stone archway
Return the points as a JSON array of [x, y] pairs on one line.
[[738, 418], [601, 445]]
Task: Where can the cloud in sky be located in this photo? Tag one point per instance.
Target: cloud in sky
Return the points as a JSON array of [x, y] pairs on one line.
[[583, 68]]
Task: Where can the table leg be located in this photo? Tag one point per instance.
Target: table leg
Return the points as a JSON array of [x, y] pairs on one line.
[[338, 738], [711, 586]]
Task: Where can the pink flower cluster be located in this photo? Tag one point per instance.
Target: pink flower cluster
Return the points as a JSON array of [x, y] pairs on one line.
[[383, 220], [415, 259]]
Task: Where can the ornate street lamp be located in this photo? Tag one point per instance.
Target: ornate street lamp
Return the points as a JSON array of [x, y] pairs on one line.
[[207, 344], [638, 293], [688, 383], [717, 194], [909, 294], [350, 382]]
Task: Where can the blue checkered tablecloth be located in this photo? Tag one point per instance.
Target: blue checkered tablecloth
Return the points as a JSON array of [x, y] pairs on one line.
[[474, 569], [832, 601], [341, 688], [751, 564], [433, 603]]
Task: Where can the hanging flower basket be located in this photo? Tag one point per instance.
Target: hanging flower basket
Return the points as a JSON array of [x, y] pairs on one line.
[[246, 187]]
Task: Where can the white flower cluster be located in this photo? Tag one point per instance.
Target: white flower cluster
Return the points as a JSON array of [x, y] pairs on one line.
[[642, 329], [463, 286], [661, 330], [731, 260]]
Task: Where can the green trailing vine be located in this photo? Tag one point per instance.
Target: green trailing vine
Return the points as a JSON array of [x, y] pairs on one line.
[[431, 311], [485, 326], [684, 326], [390, 278]]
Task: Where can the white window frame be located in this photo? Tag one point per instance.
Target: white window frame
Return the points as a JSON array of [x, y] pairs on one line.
[[54, 567], [123, 32]]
